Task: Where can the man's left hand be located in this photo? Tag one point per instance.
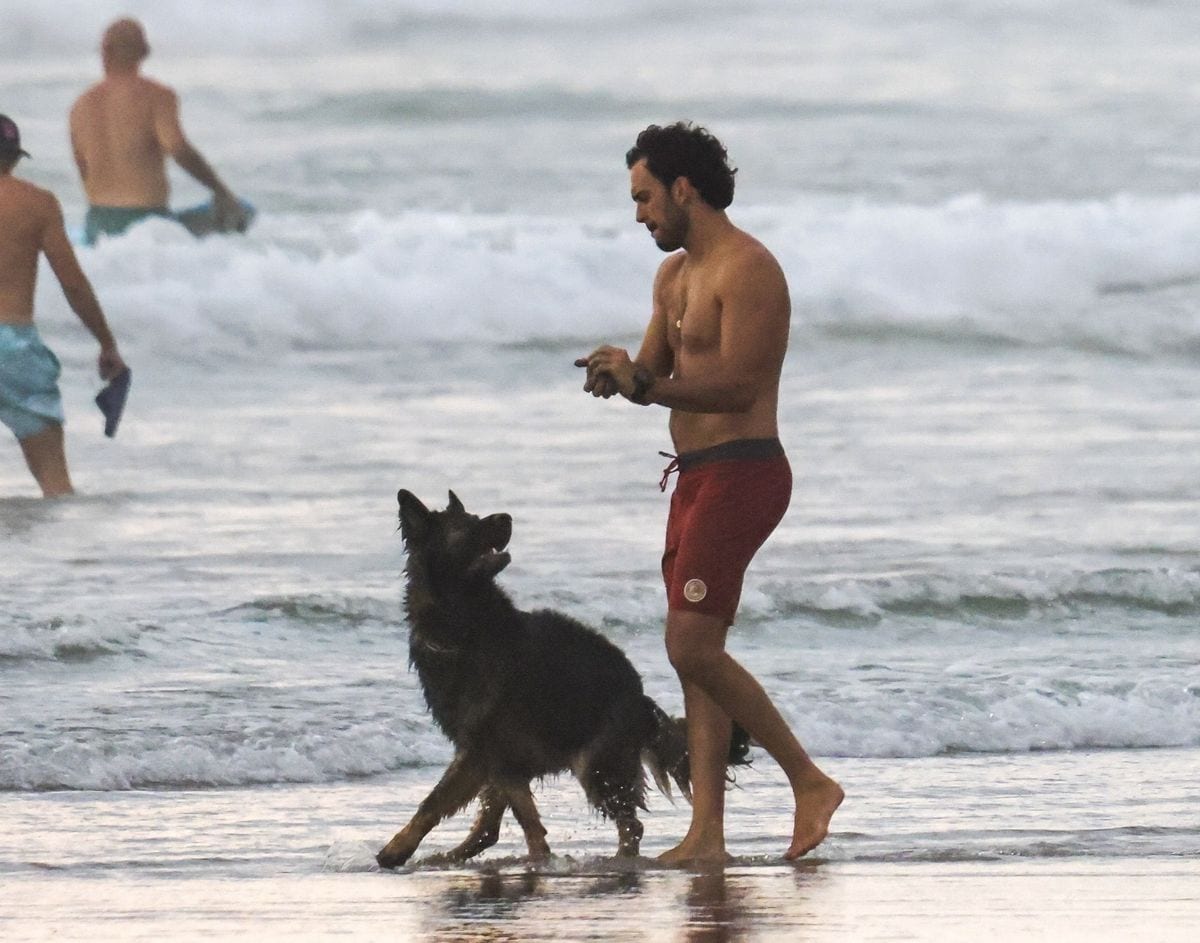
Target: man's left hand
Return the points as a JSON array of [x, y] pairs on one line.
[[609, 371]]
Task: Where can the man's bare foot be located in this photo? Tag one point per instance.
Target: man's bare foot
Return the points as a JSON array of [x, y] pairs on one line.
[[815, 805], [689, 852]]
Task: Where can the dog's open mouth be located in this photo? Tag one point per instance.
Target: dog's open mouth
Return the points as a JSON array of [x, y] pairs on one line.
[[492, 562], [495, 533]]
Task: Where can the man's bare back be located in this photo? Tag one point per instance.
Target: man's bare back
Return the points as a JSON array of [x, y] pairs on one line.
[[123, 129], [25, 211], [32, 221]]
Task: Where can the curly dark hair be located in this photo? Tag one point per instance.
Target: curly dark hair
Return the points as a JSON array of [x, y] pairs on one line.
[[686, 150]]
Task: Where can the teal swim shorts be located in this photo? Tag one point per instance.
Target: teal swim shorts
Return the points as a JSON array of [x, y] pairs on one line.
[[114, 220], [29, 397]]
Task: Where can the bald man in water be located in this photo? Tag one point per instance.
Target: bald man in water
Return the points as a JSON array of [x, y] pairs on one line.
[[123, 129], [31, 223]]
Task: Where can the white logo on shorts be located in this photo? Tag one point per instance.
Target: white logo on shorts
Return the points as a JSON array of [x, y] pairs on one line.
[[694, 590]]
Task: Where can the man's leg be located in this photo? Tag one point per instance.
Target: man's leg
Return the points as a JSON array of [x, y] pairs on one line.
[[696, 648], [708, 733], [46, 458]]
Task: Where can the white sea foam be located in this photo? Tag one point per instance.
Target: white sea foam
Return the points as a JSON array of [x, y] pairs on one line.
[[153, 760], [26, 639], [1026, 272], [1011, 716], [966, 593], [872, 711], [970, 270]]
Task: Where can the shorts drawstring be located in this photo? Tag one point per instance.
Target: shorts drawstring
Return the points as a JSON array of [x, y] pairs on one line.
[[669, 470], [734, 450]]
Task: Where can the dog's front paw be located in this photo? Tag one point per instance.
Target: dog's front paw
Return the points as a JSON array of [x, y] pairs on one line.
[[394, 853]]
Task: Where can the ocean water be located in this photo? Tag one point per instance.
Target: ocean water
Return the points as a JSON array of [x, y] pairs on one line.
[[979, 613]]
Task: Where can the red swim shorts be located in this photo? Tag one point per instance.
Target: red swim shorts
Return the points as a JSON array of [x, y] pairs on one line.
[[726, 503]]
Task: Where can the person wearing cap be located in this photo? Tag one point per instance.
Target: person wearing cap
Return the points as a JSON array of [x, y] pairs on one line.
[[31, 223], [123, 129]]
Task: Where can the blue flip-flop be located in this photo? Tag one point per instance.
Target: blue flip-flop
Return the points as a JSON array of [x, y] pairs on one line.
[[111, 400]]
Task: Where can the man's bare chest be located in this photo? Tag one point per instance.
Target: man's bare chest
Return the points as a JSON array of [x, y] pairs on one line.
[[693, 315]]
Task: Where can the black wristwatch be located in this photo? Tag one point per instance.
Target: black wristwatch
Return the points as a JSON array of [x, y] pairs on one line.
[[643, 382]]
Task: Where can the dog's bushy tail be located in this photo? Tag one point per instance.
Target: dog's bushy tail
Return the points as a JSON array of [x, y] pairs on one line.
[[666, 755]]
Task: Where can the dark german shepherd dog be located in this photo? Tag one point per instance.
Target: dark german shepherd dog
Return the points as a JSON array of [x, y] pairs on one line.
[[521, 695]]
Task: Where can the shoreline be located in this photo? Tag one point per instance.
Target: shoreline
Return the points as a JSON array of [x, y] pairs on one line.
[[1057, 899], [1061, 847]]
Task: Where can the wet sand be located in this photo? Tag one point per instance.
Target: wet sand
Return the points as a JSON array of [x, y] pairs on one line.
[[1056, 846], [1042, 900]]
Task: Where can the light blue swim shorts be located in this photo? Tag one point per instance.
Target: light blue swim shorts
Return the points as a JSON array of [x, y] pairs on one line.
[[29, 397], [114, 220]]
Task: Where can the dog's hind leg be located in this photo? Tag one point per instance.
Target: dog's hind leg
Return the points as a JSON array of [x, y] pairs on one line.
[[486, 830], [530, 820], [629, 832], [617, 791], [459, 785]]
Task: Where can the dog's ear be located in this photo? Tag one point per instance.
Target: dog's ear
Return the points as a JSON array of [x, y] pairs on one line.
[[414, 516], [455, 504]]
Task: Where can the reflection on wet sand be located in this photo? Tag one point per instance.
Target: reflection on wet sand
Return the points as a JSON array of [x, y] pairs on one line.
[[715, 908], [726, 904], [713, 904], [491, 905]]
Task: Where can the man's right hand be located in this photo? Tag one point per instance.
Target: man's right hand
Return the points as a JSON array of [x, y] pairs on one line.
[[230, 215], [110, 363]]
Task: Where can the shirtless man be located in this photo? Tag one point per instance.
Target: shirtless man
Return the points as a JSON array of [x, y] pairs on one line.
[[31, 222], [712, 354], [123, 129]]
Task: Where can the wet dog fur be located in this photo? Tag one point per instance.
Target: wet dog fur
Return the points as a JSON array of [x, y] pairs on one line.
[[521, 695]]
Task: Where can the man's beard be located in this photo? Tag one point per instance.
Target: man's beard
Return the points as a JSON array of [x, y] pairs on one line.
[[673, 233]]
